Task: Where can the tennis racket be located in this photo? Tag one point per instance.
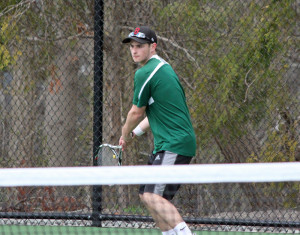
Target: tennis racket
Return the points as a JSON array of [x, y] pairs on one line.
[[109, 155]]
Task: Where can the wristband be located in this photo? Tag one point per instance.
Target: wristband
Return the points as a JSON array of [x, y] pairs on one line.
[[138, 131]]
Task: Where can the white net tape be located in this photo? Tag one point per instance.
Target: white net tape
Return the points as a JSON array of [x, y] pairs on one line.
[[203, 173]]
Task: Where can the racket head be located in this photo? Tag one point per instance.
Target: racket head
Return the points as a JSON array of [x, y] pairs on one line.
[[109, 155]]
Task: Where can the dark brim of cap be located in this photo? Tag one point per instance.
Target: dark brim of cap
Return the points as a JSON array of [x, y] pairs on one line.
[[140, 40]]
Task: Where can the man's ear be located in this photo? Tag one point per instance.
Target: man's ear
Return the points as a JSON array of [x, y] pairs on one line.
[[153, 46]]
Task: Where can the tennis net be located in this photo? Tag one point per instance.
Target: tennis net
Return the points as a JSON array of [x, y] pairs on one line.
[[213, 198]]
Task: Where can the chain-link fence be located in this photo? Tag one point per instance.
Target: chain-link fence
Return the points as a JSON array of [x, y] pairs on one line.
[[67, 85]]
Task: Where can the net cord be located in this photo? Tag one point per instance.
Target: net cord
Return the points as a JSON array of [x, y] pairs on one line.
[[129, 175]]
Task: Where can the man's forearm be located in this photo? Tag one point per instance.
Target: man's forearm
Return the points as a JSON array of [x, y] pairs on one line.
[[132, 120], [142, 127]]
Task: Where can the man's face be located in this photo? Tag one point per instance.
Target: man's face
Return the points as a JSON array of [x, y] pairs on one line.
[[141, 53]]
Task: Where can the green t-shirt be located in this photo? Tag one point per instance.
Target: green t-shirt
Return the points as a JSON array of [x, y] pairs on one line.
[[157, 87]]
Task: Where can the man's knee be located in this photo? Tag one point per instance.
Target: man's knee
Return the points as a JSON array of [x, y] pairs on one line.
[[148, 198]]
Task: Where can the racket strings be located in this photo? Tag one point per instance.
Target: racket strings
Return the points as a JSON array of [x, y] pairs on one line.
[[108, 156]]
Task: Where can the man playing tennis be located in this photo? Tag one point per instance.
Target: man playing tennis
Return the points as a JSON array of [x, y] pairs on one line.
[[159, 94]]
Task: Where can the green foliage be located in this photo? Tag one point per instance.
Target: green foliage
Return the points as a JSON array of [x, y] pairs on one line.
[[279, 147], [240, 50], [241, 54], [136, 210], [8, 32], [7, 58]]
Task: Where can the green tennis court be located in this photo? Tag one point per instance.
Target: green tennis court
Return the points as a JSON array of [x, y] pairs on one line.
[[66, 230]]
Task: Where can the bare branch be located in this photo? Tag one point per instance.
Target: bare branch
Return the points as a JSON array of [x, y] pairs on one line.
[[38, 39], [175, 44], [21, 4], [188, 84], [247, 84]]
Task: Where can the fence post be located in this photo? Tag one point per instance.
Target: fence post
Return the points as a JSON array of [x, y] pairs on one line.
[[98, 97]]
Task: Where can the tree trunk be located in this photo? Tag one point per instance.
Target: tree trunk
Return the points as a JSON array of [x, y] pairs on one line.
[[60, 116]]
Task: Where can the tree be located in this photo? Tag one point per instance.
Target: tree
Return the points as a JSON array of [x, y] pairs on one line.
[[235, 60], [235, 68], [48, 78]]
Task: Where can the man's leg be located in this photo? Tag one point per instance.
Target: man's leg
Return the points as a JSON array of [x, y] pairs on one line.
[[157, 197], [165, 214]]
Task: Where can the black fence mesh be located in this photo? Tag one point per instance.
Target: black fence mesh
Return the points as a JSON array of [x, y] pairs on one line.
[[66, 85]]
